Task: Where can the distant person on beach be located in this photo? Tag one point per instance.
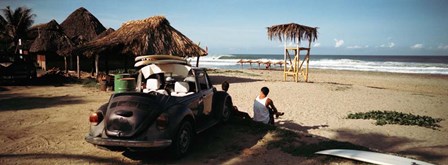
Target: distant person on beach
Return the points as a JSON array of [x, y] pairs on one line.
[[243, 115], [264, 109]]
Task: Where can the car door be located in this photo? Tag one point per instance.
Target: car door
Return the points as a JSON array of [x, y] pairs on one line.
[[206, 90]]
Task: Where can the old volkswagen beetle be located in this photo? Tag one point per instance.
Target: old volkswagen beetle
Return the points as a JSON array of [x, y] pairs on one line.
[[171, 103]]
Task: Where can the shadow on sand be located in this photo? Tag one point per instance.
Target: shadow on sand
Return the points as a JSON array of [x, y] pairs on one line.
[[393, 144], [237, 138], [17, 102], [290, 125], [220, 143], [219, 79], [55, 156]]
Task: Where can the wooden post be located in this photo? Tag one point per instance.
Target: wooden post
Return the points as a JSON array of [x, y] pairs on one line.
[[65, 64], [308, 59], [197, 61], [77, 66], [284, 61], [97, 58]]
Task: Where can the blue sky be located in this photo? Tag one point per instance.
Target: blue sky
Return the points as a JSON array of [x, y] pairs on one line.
[[346, 27]]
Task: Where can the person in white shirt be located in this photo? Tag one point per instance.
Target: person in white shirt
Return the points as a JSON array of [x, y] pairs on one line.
[[264, 109]]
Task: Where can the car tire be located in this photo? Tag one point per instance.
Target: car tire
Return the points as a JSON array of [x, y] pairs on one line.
[[182, 140], [222, 106]]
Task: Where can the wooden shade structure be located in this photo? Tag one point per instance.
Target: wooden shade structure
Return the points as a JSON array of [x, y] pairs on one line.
[[149, 36], [295, 33], [49, 38]]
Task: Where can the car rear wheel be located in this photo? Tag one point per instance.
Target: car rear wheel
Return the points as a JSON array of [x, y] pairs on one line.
[[182, 139]]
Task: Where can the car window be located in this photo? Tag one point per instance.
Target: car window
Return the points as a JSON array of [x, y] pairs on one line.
[[202, 80]]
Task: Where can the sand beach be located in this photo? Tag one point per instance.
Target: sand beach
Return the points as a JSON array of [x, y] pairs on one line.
[[47, 124], [321, 106]]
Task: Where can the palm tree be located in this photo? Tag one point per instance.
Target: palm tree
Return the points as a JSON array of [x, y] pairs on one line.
[[14, 25]]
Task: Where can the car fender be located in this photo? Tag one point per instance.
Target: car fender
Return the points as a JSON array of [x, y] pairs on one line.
[[176, 115], [96, 130]]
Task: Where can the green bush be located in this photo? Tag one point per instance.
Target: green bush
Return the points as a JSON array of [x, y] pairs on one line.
[[392, 117]]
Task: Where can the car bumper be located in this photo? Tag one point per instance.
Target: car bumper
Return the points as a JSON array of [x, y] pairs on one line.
[[128, 143]]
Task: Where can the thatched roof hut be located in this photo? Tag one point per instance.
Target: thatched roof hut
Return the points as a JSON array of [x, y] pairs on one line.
[[104, 33], [153, 35], [82, 26], [292, 32], [50, 37]]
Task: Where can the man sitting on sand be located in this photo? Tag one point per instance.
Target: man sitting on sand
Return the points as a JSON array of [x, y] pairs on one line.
[[243, 115], [264, 109]]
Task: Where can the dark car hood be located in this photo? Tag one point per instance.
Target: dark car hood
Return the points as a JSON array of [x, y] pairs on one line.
[[130, 113]]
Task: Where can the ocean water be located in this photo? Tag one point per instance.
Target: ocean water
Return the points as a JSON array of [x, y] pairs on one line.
[[396, 64]]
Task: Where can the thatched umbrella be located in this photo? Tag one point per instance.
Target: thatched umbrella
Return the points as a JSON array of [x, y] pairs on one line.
[[50, 38], [292, 31], [82, 26], [153, 35]]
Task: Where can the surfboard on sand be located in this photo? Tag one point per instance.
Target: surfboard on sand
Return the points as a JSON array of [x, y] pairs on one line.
[[158, 57], [372, 157], [160, 62]]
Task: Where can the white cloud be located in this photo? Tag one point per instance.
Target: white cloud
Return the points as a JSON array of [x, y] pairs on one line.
[[444, 47], [317, 44], [338, 43], [357, 47], [417, 46], [389, 45]]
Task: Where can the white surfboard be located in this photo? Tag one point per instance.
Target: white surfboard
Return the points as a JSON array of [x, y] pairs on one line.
[[160, 62], [372, 157], [158, 57]]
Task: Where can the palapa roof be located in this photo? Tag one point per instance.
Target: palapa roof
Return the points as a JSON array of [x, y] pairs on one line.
[[50, 38], [149, 36], [292, 32], [104, 33], [82, 26]]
